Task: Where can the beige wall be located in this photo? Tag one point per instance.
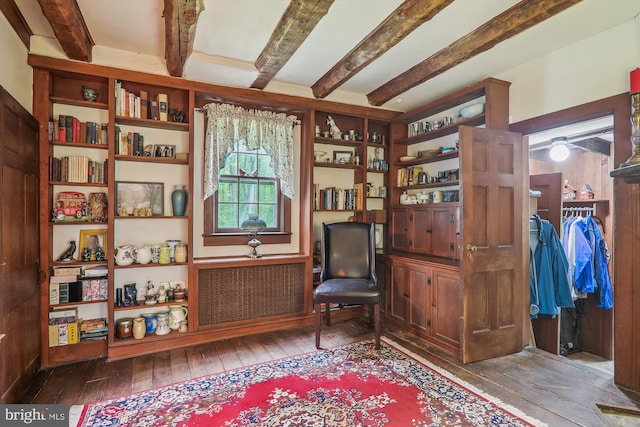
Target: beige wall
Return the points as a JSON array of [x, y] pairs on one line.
[[15, 75]]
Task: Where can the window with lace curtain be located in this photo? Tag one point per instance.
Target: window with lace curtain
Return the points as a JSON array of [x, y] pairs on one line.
[[248, 170]]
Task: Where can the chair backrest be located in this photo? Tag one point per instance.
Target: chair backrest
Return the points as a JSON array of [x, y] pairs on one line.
[[348, 250]]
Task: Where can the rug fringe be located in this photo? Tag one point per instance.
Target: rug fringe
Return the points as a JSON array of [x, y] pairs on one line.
[[453, 378]]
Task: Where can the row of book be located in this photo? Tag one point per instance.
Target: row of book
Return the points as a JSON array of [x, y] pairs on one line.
[[70, 129], [129, 143], [141, 105], [66, 328], [333, 198], [79, 169]]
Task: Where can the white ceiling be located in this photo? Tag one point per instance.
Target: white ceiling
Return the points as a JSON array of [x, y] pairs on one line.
[[231, 34]]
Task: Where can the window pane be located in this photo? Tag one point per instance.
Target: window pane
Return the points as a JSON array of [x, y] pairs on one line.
[[264, 167], [230, 165], [268, 214], [247, 163], [246, 209], [248, 191], [227, 215], [228, 191], [268, 191]]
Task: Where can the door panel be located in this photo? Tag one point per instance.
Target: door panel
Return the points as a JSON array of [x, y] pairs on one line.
[[19, 249], [421, 230], [445, 324], [399, 293], [420, 291], [494, 166]]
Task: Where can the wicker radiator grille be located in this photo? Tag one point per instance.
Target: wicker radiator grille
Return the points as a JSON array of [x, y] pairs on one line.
[[241, 293]]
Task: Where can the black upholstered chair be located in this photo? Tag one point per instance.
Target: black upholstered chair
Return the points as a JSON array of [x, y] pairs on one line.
[[348, 273]]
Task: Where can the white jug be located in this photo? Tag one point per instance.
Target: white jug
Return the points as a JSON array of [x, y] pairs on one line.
[[124, 254], [177, 313], [142, 255]]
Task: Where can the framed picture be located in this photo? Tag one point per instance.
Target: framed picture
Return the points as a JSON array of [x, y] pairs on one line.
[[90, 243], [139, 195], [342, 157], [165, 151]]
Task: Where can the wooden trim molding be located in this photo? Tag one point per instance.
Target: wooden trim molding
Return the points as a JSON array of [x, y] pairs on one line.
[[16, 20]]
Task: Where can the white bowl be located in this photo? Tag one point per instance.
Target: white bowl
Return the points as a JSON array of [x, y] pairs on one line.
[[472, 111]]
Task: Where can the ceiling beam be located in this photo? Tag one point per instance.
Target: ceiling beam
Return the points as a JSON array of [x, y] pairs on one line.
[[68, 25], [296, 23], [16, 19], [180, 19], [514, 20], [398, 25]]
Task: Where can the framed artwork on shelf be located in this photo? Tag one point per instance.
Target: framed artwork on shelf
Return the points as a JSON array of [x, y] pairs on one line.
[[132, 197], [93, 244], [164, 151], [342, 157]]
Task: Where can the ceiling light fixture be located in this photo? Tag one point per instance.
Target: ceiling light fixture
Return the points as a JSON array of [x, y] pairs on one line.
[[559, 150]]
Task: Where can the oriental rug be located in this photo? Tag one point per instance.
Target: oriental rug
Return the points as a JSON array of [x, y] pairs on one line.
[[351, 385]]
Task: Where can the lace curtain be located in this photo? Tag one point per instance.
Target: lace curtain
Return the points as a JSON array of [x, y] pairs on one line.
[[228, 123]]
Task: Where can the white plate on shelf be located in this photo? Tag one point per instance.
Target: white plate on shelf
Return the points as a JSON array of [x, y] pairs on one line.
[[407, 158]]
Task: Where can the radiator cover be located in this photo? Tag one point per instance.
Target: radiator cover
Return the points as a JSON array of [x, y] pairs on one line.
[[233, 294]]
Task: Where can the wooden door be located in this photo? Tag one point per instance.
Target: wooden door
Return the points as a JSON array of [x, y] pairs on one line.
[[421, 230], [546, 329], [399, 229], [494, 183], [445, 311], [19, 249], [420, 299], [549, 204], [399, 293], [443, 237]]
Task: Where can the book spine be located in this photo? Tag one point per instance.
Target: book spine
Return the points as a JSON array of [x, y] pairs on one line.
[[144, 104], [118, 85], [69, 128], [163, 107], [62, 128]]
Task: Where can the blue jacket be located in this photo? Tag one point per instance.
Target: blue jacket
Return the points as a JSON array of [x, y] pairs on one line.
[[551, 271], [599, 261]]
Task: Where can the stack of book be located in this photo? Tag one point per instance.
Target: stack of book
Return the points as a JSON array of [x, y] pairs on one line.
[[140, 106], [63, 327], [129, 143], [333, 198], [93, 329]]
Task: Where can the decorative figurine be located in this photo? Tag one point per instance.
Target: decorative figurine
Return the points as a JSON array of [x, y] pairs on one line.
[[333, 128], [177, 115], [67, 255]]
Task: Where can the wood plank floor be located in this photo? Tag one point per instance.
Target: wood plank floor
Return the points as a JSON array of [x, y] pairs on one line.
[[553, 389]]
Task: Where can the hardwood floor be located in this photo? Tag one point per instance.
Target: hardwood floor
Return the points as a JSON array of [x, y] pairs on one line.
[[553, 389]]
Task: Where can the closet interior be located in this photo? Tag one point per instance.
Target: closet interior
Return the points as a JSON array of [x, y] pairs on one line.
[[572, 199]]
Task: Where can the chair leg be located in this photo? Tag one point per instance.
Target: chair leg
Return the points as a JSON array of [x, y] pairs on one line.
[[327, 313], [318, 324], [376, 320]]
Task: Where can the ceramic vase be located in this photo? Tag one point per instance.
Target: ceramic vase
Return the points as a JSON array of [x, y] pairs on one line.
[[162, 325], [179, 200], [180, 253], [139, 328], [150, 322]]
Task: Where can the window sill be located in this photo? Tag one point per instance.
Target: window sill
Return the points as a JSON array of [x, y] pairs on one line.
[[226, 239]]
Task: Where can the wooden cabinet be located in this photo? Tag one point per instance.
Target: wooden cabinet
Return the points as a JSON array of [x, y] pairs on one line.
[[425, 298], [461, 229], [430, 229]]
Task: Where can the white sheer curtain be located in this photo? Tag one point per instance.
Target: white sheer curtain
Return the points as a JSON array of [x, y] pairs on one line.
[[228, 123]]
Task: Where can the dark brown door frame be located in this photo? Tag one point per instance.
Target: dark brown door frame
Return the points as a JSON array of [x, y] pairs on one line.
[[626, 245]]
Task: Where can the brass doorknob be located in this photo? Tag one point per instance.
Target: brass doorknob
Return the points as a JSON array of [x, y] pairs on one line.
[[471, 249]]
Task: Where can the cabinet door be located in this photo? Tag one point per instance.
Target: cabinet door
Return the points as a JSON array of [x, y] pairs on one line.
[[443, 234], [382, 272], [399, 293], [495, 190], [399, 230], [420, 299], [421, 230], [445, 323]]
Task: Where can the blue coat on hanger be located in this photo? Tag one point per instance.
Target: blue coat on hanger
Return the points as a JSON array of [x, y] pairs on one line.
[[551, 271]]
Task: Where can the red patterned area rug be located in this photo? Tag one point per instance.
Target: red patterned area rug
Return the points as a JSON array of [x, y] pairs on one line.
[[352, 385]]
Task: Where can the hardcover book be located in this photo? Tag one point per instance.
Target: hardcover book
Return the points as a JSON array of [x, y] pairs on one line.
[[163, 106]]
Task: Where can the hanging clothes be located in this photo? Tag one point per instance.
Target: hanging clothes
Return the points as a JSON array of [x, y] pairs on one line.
[[549, 279], [588, 257]]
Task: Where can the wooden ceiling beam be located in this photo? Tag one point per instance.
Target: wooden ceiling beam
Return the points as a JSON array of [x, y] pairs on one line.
[[11, 11], [180, 19], [68, 25], [514, 20], [398, 25], [296, 23]]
